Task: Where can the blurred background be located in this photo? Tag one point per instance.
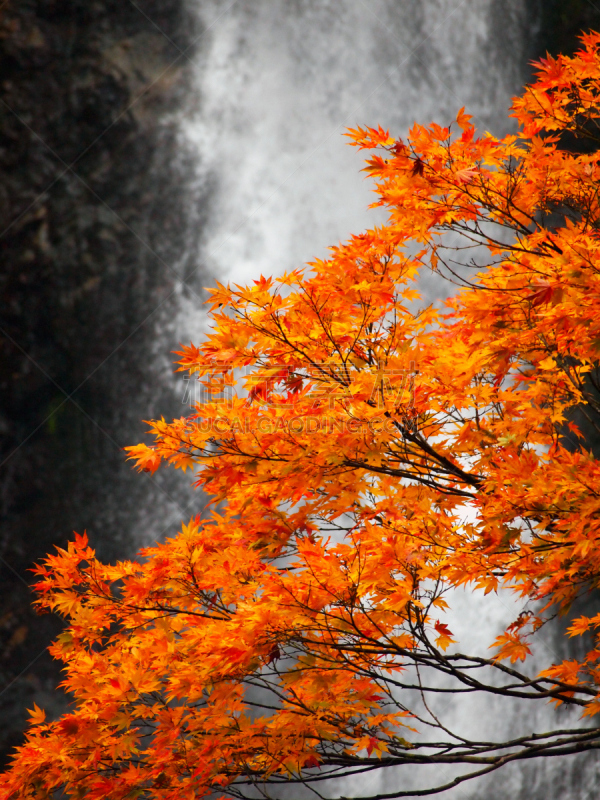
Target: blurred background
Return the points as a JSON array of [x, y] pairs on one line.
[[147, 149]]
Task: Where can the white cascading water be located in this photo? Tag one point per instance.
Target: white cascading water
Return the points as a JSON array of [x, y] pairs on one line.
[[278, 81]]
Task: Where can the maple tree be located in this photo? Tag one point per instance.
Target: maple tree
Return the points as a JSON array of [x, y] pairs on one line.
[[380, 455]]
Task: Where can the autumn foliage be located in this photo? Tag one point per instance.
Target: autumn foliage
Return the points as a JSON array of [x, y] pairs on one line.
[[365, 455]]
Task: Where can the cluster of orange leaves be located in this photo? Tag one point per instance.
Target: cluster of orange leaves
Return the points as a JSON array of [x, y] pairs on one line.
[[378, 452]]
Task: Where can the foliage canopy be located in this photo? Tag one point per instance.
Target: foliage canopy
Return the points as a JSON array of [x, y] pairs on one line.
[[381, 455]]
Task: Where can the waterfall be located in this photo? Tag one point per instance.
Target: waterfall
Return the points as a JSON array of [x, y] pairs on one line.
[[278, 81]]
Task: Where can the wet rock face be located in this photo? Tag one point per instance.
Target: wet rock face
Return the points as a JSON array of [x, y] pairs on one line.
[[99, 221], [561, 22]]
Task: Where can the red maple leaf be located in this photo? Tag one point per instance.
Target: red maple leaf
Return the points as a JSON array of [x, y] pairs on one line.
[[442, 629], [542, 293], [372, 745]]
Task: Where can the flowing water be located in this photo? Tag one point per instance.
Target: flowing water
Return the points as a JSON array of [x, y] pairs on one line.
[[278, 81]]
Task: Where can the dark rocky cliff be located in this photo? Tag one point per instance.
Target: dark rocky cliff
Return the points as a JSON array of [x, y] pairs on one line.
[[560, 23], [99, 221]]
